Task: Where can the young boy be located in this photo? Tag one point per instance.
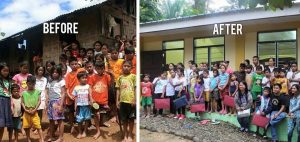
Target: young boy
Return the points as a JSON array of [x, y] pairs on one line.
[[206, 80], [146, 86], [83, 100], [115, 63], [249, 76], [31, 100], [257, 86], [266, 81], [283, 81], [126, 100], [130, 56], [16, 110], [71, 82], [99, 83], [277, 109]]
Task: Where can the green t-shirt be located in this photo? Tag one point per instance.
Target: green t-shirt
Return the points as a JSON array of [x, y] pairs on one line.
[[5, 91], [256, 82], [31, 98]]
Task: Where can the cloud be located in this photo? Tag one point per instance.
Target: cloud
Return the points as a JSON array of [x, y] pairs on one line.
[[18, 15]]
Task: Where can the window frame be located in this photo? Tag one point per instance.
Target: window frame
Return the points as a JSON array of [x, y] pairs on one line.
[[208, 48], [165, 50], [276, 43]]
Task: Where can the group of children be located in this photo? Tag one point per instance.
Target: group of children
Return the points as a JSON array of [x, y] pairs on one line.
[[274, 92], [78, 89]]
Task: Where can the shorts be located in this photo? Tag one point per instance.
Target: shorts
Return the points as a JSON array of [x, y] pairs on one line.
[[206, 96], [112, 94], [17, 125], [146, 100], [83, 113], [215, 94], [30, 121], [53, 111], [70, 108], [5, 112], [127, 112]]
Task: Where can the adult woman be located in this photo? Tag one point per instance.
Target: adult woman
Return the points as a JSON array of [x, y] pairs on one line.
[[243, 102], [294, 112]]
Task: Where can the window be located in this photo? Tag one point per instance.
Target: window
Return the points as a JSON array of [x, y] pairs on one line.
[[173, 51], [280, 45], [209, 50]]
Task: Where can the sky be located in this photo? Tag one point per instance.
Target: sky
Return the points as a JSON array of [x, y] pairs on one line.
[[18, 15]]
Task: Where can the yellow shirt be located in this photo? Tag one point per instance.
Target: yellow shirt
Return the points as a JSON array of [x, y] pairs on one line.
[[116, 67], [284, 83], [126, 85]]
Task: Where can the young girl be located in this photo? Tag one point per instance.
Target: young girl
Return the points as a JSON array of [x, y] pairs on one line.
[[158, 84], [21, 78], [169, 91], [192, 86], [214, 92], [171, 67], [199, 89], [249, 76], [97, 47], [5, 101], [294, 112], [49, 65], [41, 83], [206, 80], [83, 101], [181, 91], [222, 86], [146, 95], [233, 88], [265, 100], [16, 110], [55, 94]]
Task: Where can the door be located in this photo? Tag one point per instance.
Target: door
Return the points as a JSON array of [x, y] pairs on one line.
[[152, 63]]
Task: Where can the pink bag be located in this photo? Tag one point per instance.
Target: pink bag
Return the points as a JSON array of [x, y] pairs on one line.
[[260, 121], [197, 108], [162, 103], [229, 101]]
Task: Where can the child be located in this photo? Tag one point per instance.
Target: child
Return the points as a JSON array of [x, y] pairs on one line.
[[71, 82], [249, 76], [97, 47], [283, 81], [130, 56], [256, 86], [99, 83], [206, 80], [294, 112], [63, 60], [126, 100], [55, 94], [180, 90], [83, 101], [21, 78], [49, 65], [31, 99], [222, 86], [233, 88], [213, 89], [169, 91], [5, 101], [159, 83], [146, 95], [199, 89], [265, 100], [266, 81], [192, 85], [41, 83], [90, 54], [16, 110], [115, 63]]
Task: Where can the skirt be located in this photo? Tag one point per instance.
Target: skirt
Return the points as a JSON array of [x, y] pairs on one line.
[[53, 110], [5, 112]]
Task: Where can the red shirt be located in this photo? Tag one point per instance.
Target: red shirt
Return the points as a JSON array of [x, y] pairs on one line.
[[146, 89], [100, 86]]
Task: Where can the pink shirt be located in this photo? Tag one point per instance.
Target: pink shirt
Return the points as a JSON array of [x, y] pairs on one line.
[[146, 89], [21, 80], [229, 70]]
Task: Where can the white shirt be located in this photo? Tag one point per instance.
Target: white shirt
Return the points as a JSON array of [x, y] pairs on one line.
[[206, 83], [265, 80], [170, 90], [41, 86], [180, 80], [187, 74], [290, 76], [159, 85]]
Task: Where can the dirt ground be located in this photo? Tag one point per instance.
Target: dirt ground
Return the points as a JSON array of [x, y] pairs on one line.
[[148, 136], [114, 130]]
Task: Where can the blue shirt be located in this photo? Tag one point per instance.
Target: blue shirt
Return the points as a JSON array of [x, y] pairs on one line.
[[223, 79], [295, 106], [213, 82]]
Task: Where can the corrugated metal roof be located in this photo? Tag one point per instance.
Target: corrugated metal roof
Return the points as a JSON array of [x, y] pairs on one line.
[[66, 14]]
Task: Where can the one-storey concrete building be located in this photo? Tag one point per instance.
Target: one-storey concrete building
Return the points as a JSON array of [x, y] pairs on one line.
[[264, 33], [93, 23]]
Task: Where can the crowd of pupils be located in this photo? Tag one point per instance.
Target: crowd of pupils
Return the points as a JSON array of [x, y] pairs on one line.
[[83, 84], [265, 90]]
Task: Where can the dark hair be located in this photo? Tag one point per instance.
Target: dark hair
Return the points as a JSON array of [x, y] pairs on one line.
[[277, 84], [216, 70], [15, 86], [2, 66], [113, 49], [267, 70], [226, 62], [248, 61], [258, 68], [58, 69], [298, 89], [81, 74], [127, 61], [246, 91], [99, 55], [100, 65], [223, 65], [63, 56], [273, 59], [201, 79], [293, 62], [192, 62], [256, 57], [90, 49], [268, 89], [282, 70], [72, 59], [77, 43], [88, 62], [181, 64], [129, 50], [82, 49], [97, 42], [276, 70], [206, 71], [31, 79], [37, 68], [145, 75], [50, 62], [249, 67], [104, 44], [181, 70], [242, 65], [23, 63]]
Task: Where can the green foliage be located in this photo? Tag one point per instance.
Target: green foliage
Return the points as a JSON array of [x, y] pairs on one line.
[[149, 11]]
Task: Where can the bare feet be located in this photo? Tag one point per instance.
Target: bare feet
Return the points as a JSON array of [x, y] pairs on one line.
[[73, 130], [83, 135], [79, 136], [124, 140], [113, 120], [129, 139], [97, 135], [59, 140], [23, 132], [35, 132]]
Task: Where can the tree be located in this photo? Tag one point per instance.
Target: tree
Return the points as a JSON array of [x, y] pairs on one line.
[[149, 11]]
